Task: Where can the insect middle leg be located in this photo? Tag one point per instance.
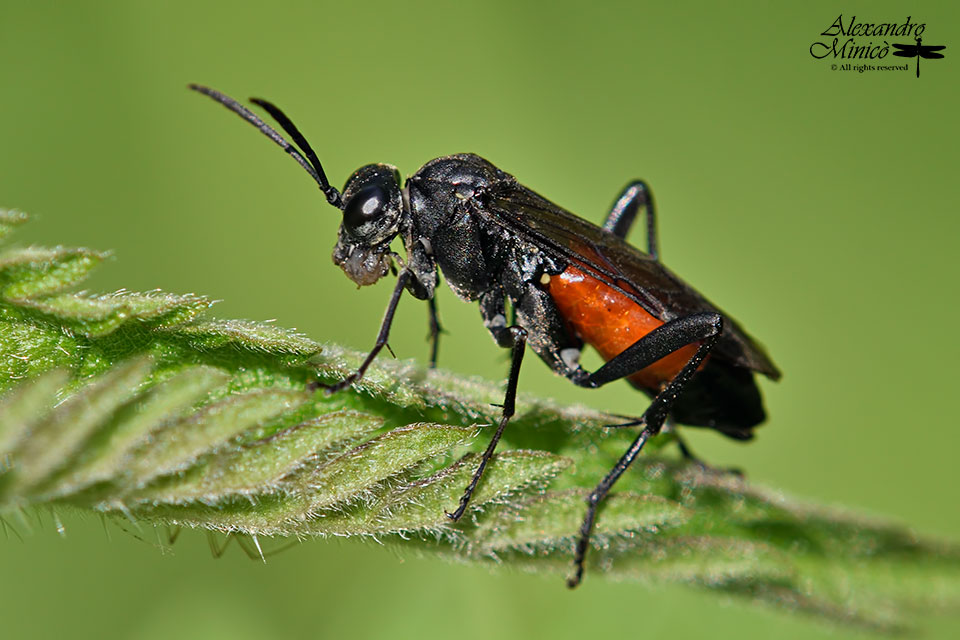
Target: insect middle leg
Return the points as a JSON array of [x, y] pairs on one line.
[[519, 339], [624, 211], [435, 331], [514, 338]]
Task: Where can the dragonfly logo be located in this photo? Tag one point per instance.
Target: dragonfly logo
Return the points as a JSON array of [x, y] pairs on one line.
[[868, 44], [918, 51]]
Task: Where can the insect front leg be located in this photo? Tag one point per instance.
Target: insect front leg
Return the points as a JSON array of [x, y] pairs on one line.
[[635, 195], [382, 337], [514, 338], [704, 328]]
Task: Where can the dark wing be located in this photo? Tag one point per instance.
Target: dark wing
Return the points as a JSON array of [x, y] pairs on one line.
[[613, 261], [905, 50], [928, 51]]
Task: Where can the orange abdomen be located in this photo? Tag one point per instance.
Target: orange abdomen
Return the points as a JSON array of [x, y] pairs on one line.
[[610, 322]]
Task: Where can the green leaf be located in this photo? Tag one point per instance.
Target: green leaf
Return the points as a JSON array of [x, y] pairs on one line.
[[49, 447], [9, 220], [136, 406], [36, 271]]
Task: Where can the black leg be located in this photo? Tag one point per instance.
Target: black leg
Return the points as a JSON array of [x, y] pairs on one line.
[[704, 328], [594, 499], [624, 211], [657, 344], [519, 338], [381, 341], [685, 450], [435, 331], [690, 456]]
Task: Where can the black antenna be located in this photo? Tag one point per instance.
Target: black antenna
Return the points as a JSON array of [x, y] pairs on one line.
[[313, 166]]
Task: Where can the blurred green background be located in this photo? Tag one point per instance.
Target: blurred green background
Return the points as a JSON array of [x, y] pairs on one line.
[[817, 206]]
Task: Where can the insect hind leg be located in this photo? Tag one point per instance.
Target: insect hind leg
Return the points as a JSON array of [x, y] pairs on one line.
[[704, 328], [693, 458]]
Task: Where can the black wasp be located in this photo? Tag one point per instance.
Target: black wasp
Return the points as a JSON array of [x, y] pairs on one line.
[[569, 282]]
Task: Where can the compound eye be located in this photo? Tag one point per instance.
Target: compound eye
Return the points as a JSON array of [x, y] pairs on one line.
[[365, 206]]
